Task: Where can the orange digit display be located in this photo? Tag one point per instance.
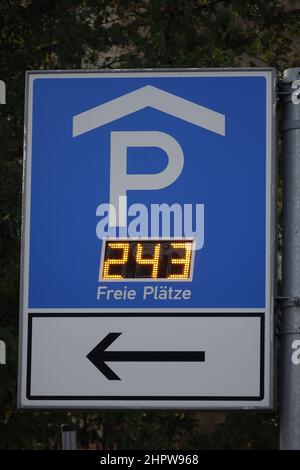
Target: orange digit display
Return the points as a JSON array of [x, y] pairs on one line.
[[116, 261], [147, 259], [154, 261], [186, 261]]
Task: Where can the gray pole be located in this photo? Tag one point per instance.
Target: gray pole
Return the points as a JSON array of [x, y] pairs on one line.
[[290, 335], [68, 434]]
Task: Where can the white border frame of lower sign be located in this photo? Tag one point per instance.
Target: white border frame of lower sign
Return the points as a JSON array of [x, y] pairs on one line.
[[153, 401], [271, 170]]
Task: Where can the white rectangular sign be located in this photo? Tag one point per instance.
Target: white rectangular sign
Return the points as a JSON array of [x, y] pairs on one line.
[[149, 360]]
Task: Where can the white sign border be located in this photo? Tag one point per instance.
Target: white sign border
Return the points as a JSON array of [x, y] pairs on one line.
[[149, 402]]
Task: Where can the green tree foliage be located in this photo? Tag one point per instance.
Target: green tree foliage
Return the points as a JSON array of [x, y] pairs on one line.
[[70, 34]]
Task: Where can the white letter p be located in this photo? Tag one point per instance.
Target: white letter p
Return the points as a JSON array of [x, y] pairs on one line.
[[121, 181]]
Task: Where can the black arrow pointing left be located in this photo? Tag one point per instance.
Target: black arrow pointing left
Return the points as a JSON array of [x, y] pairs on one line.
[[98, 356]]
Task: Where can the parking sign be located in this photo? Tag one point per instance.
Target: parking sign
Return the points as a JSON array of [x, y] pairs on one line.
[[148, 239]]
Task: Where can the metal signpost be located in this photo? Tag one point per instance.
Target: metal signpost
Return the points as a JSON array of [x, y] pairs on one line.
[[290, 339], [68, 434], [148, 240]]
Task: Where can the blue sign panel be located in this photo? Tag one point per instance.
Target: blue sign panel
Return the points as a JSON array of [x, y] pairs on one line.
[[148, 240], [149, 190]]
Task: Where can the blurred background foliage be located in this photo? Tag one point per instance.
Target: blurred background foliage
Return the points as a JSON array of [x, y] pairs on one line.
[[69, 34]]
